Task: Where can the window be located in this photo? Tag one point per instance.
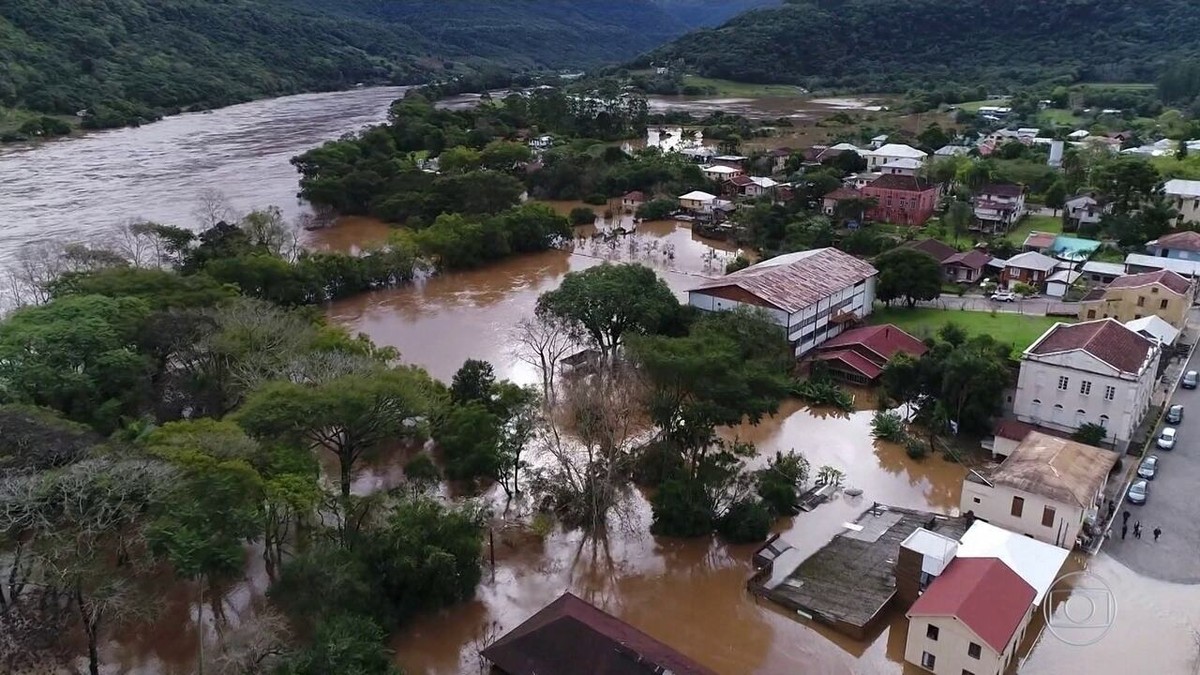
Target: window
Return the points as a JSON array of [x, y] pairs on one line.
[[1091, 314], [1137, 316], [1018, 506], [1080, 418], [927, 660], [974, 650], [1104, 421], [931, 632], [1110, 393], [975, 499], [1162, 304], [1141, 301], [1154, 290], [1048, 516], [1085, 388], [1062, 382]]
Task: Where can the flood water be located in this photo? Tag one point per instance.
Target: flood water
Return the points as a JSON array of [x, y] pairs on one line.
[[765, 107], [689, 594]]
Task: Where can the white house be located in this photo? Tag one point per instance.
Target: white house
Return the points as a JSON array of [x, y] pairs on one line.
[[1097, 372], [1084, 210], [814, 294], [697, 200], [999, 206], [1060, 282], [891, 152], [1184, 195], [1048, 488], [906, 166], [720, 172]]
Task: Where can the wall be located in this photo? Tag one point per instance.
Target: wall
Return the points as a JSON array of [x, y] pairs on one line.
[[950, 649], [901, 207], [1121, 304], [1038, 381], [1188, 207], [995, 506]]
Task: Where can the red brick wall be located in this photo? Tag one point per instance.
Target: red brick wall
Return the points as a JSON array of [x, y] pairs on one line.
[[907, 208]]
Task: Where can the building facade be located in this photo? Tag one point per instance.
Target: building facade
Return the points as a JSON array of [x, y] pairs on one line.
[[1031, 268], [1164, 294], [815, 295], [1182, 245], [1095, 372], [891, 152], [999, 206], [1184, 195], [902, 200]]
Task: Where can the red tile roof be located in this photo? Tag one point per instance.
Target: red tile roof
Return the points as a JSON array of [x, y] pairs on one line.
[[740, 181], [854, 361], [884, 340], [974, 259], [843, 193], [793, 281], [1040, 239], [634, 196], [1016, 430], [1184, 240], [1002, 190], [1106, 339], [1167, 278], [572, 636], [938, 249], [894, 181], [983, 593]]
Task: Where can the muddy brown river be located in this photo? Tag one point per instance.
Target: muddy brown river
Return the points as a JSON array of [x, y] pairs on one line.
[[689, 594]]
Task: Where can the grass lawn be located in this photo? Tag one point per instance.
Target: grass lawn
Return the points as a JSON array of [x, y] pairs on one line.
[[1018, 330], [974, 106], [1055, 116], [740, 89], [1031, 223], [1120, 86]]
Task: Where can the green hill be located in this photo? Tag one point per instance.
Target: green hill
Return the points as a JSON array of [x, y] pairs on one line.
[[892, 45], [124, 59]]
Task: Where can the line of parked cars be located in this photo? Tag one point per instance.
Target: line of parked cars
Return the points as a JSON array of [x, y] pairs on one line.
[[1139, 490]]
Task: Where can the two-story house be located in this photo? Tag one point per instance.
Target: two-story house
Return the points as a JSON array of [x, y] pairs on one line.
[[697, 201], [721, 172], [902, 200], [1181, 245], [1184, 195], [891, 152], [1031, 268], [999, 206], [902, 167], [1049, 488], [1083, 210], [815, 295], [1164, 294], [1097, 372]]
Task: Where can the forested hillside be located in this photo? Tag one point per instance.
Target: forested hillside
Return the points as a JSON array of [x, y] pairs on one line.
[[890, 45], [130, 59]]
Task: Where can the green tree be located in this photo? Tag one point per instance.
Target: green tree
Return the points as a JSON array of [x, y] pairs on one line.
[[958, 217], [657, 209], [582, 215], [1128, 181], [779, 484], [344, 643], [349, 416], [909, 274], [1056, 195], [469, 437], [474, 381], [604, 304]]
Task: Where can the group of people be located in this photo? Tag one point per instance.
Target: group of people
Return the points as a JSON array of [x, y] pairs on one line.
[[1137, 528]]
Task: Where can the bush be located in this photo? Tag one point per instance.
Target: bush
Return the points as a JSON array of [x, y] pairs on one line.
[[582, 215], [821, 391], [779, 483], [595, 199], [657, 209], [682, 509], [915, 448], [887, 426], [657, 463], [746, 521], [739, 263], [1090, 434]]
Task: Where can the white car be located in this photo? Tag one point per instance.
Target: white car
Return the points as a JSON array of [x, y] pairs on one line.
[[1166, 440], [1004, 296]]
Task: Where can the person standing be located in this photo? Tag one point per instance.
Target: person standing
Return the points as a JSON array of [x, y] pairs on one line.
[[1157, 533], [1137, 530], [1124, 529]]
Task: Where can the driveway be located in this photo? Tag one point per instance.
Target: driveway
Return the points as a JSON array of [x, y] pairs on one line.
[[978, 303], [1172, 504]]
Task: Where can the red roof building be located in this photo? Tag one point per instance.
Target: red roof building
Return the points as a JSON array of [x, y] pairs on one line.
[[859, 355], [903, 200], [972, 599], [940, 250], [1106, 340], [573, 636], [1167, 278], [967, 266]]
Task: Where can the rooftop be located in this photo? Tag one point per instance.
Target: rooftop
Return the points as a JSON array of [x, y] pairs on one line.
[[764, 182], [1002, 190], [1155, 328], [951, 150], [895, 181], [794, 281], [843, 193], [1184, 240], [721, 169], [697, 196], [984, 593], [1106, 268], [1039, 239], [1058, 469], [570, 633], [940, 250], [882, 342], [1188, 268], [852, 577], [1182, 188], [903, 163], [898, 150], [1065, 276], [1037, 562], [1032, 260], [740, 180], [1167, 278], [1015, 430], [974, 259], [1106, 340]]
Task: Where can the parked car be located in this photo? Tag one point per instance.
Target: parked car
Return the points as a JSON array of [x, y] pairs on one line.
[[1138, 492], [1004, 296], [1190, 379], [1166, 439], [1148, 468], [1175, 414]]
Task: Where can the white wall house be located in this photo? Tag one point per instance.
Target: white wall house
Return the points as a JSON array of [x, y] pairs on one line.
[[892, 152], [1184, 195], [1047, 489], [814, 294], [1097, 372]]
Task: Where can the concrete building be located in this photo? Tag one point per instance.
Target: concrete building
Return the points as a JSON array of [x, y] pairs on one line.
[[902, 200], [1083, 210], [1181, 245], [1140, 262], [1184, 195], [1097, 372], [1164, 294], [999, 206], [1101, 273], [815, 295], [1031, 268], [1049, 488], [891, 152], [697, 201], [721, 172]]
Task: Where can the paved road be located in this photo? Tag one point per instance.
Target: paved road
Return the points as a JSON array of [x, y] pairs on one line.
[[978, 303], [1172, 505]]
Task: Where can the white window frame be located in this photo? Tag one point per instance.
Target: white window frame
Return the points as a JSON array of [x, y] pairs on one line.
[[1063, 382]]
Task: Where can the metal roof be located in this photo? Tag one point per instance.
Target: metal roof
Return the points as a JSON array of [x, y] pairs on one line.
[[794, 281]]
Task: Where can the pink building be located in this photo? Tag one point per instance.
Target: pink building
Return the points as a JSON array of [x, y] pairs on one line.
[[903, 200]]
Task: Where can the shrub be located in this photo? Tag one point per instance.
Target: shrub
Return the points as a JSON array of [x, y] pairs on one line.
[[779, 483], [915, 448], [821, 391], [657, 463], [738, 263], [682, 509], [595, 199], [657, 209], [582, 215], [1090, 434], [887, 426], [746, 521]]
